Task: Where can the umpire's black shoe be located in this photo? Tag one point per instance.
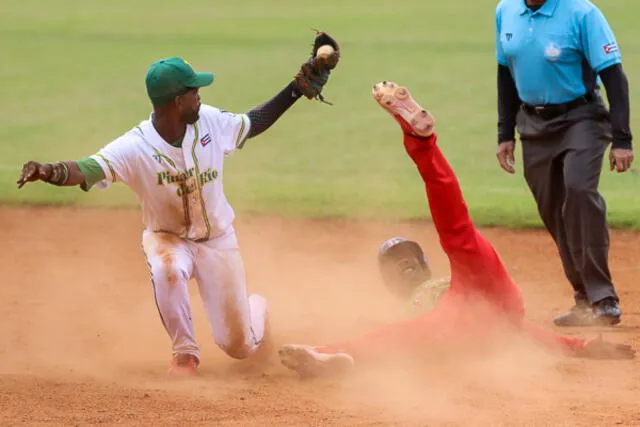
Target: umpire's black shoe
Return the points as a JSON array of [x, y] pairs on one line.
[[606, 312], [580, 314]]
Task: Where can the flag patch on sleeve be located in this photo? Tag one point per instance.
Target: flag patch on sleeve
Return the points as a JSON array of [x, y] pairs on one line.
[[205, 140], [610, 48]]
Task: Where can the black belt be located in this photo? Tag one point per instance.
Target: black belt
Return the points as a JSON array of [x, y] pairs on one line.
[[550, 111]]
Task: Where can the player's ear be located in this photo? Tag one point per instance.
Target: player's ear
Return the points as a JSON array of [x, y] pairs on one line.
[[179, 102]]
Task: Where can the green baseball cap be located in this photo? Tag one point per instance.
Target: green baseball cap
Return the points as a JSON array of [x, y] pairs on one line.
[[171, 77]]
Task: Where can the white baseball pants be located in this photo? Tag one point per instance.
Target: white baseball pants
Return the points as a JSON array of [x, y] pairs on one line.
[[237, 320]]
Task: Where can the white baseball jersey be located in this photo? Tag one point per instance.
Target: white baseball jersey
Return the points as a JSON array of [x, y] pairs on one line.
[[180, 189]]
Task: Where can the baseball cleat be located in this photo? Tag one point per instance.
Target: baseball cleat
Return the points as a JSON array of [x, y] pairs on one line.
[[603, 313], [606, 312], [400, 104], [309, 363], [184, 365]]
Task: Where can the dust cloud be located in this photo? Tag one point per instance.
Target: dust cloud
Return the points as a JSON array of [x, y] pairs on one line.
[[82, 341]]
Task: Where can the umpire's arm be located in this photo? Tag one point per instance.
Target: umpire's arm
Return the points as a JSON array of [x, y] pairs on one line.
[[601, 50], [617, 86], [508, 105]]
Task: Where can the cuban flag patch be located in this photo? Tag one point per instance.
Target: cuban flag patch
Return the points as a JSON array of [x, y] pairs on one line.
[[610, 48], [205, 140]]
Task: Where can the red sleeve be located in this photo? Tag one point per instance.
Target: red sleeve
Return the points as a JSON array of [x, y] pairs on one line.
[[553, 341]]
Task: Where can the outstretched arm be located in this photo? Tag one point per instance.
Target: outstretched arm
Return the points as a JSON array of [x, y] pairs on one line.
[[59, 174], [578, 347], [267, 113], [84, 172], [567, 345], [309, 81]]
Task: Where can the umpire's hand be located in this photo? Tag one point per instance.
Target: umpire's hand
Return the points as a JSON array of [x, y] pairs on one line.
[[620, 159], [505, 155]]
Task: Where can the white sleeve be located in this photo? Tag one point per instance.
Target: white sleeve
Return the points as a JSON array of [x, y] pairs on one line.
[[231, 129], [115, 160]]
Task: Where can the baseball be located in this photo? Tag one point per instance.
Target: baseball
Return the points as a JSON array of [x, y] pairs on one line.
[[325, 50]]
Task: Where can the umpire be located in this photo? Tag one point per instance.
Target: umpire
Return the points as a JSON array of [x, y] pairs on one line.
[[552, 56]]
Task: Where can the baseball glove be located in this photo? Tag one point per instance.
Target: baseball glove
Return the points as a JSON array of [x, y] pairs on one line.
[[314, 73]]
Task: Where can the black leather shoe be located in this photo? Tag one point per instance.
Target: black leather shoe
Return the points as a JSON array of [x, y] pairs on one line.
[[580, 314], [606, 312]]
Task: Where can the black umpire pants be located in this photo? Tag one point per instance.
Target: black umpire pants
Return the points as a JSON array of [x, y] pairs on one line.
[[562, 158]]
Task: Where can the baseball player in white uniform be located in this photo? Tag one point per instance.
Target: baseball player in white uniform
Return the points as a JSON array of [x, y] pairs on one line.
[[173, 161]]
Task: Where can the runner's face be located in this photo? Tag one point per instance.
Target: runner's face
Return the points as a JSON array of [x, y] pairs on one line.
[[404, 272]]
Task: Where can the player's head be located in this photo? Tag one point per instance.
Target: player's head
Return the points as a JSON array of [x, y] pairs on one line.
[[403, 266], [173, 85]]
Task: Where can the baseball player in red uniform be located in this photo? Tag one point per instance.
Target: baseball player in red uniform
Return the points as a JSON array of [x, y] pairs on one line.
[[466, 310]]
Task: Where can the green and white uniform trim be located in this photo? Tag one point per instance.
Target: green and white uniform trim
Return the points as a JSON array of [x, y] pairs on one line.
[[242, 135], [91, 171], [178, 183], [198, 182]]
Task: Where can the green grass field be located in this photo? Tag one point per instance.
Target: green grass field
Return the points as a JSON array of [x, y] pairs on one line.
[[73, 79]]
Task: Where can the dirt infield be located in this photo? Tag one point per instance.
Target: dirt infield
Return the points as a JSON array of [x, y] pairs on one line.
[[82, 342]]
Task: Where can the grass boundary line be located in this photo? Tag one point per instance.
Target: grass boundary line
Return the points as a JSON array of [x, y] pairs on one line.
[[525, 225]]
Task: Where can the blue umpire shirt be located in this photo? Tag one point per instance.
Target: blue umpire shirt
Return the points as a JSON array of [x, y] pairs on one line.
[[554, 53]]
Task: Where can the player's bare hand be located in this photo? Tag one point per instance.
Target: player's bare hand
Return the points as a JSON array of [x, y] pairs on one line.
[[33, 171], [600, 349], [620, 159], [505, 156]]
